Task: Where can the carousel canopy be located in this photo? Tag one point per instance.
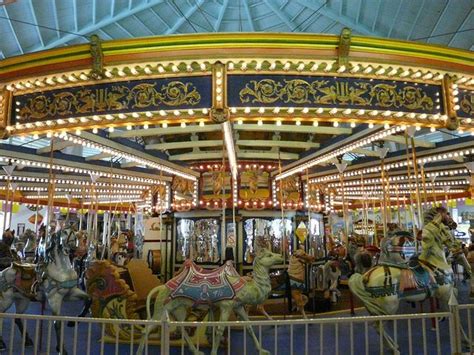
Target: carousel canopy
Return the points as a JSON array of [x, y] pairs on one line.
[[137, 145]]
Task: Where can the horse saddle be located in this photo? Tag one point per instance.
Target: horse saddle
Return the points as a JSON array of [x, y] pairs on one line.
[[25, 277], [206, 286]]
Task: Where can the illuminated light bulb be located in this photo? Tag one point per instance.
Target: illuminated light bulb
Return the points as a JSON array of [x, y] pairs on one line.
[[371, 125], [259, 122], [353, 124], [291, 109], [278, 122], [298, 123], [111, 129], [129, 127], [183, 124], [417, 128], [145, 126], [35, 136], [201, 124], [240, 122], [78, 132], [386, 126], [95, 130], [336, 124]]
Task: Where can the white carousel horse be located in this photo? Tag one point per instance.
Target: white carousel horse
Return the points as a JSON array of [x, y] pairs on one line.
[[228, 292], [382, 287], [53, 280], [29, 239]]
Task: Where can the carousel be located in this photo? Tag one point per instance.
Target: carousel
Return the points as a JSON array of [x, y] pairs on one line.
[[198, 175]]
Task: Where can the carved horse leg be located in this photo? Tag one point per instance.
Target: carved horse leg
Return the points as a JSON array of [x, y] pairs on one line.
[[180, 313], [55, 299], [21, 304], [6, 300], [240, 311], [225, 311], [77, 294]]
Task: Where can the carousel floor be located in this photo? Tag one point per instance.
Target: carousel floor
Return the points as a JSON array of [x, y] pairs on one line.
[[268, 334]]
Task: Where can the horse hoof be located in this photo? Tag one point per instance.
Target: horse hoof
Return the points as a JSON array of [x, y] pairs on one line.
[[29, 343], [64, 352], [71, 324]]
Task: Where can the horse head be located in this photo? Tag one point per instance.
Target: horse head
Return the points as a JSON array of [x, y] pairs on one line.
[[267, 259]]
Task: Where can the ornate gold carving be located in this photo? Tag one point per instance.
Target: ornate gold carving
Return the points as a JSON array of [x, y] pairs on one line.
[[344, 47], [97, 71], [108, 99], [326, 92], [219, 115]]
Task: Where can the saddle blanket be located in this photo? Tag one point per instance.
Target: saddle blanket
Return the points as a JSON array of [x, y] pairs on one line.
[[205, 286]]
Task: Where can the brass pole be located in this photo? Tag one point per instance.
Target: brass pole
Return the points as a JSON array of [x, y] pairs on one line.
[[410, 185], [423, 181], [7, 198], [417, 188], [383, 203]]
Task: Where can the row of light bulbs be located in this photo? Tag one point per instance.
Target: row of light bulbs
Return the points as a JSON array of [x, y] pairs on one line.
[[123, 155], [376, 69], [63, 168], [131, 70], [408, 206], [73, 182], [338, 152]]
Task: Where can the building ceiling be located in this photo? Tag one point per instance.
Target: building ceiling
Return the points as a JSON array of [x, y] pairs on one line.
[[29, 26]]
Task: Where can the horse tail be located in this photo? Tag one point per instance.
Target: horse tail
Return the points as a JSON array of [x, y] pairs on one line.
[[148, 300]]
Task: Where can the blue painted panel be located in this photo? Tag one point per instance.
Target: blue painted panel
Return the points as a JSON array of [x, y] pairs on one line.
[[112, 98], [340, 92], [466, 103]]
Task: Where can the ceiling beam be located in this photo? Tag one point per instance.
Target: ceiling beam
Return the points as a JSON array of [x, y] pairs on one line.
[[187, 144], [129, 164], [438, 21], [217, 25], [159, 131], [185, 18], [292, 128], [249, 15], [33, 13], [56, 145], [15, 36], [281, 14], [99, 156], [277, 143], [242, 154], [102, 23], [344, 20], [418, 142], [366, 152]]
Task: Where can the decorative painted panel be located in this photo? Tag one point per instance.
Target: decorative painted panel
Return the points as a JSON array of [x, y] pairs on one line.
[[255, 187], [325, 91], [466, 103], [111, 98]]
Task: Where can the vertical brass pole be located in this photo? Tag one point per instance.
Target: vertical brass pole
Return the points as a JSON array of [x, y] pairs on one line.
[[410, 185], [5, 207], [398, 206], [433, 188], [423, 181], [417, 188], [383, 203]]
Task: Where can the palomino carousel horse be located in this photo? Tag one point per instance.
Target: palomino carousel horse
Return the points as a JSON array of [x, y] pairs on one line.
[[296, 272], [382, 287], [53, 279], [222, 288]]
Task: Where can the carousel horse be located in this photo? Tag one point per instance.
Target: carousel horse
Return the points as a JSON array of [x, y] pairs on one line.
[[296, 272], [53, 280], [382, 287], [396, 248], [7, 254], [27, 244], [223, 288]]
